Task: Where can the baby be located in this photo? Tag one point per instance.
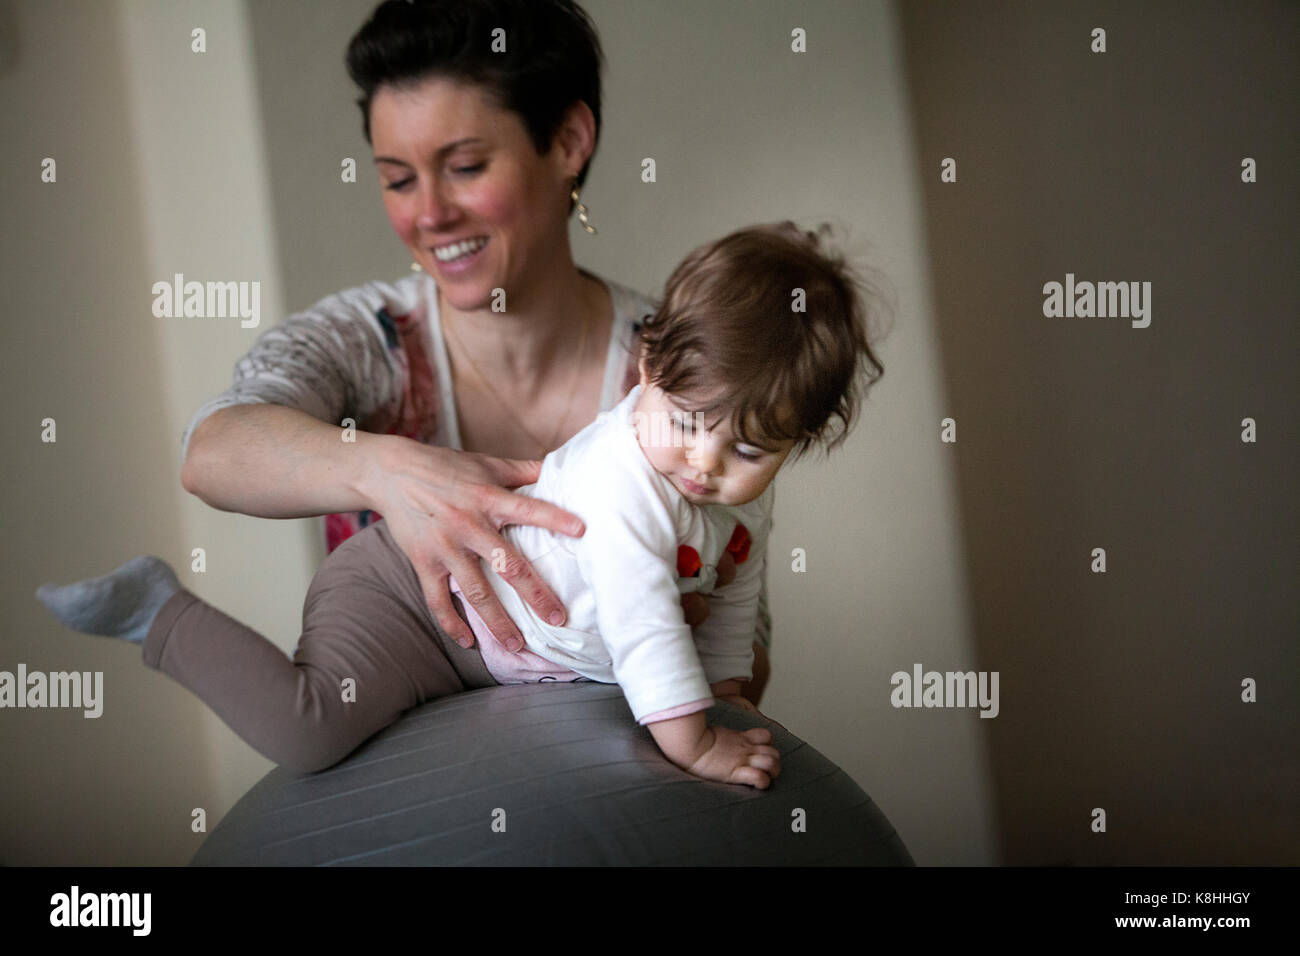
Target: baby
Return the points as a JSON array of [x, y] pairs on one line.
[[750, 360], [751, 356]]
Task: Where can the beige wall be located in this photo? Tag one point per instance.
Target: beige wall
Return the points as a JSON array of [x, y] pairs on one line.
[[1116, 690], [159, 171], [224, 165]]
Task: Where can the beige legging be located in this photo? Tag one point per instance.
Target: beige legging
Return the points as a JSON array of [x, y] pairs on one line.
[[364, 618]]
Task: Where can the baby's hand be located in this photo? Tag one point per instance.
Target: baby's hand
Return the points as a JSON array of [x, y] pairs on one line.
[[739, 757]]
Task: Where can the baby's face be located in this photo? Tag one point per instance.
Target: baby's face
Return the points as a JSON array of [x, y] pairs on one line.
[[706, 466]]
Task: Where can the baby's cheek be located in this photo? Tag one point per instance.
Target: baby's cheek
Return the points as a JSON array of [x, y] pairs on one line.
[[660, 458]]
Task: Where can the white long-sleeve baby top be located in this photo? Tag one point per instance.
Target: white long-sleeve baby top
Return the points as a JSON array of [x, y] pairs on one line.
[[620, 583]]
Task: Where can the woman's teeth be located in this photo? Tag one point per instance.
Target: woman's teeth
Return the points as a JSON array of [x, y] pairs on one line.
[[458, 249]]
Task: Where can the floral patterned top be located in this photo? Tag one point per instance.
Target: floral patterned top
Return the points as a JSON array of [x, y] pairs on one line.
[[375, 354]]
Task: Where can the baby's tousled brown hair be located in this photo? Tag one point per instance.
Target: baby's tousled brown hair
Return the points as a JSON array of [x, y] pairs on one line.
[[729, 334]]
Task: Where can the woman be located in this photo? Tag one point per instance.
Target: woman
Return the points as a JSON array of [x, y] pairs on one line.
[[460, 378]]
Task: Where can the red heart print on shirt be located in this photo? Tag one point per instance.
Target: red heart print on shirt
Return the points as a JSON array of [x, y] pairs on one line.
[[688, 559]]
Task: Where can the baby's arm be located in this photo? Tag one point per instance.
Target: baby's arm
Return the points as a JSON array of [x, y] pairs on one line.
[[718, 753], [628, 559]]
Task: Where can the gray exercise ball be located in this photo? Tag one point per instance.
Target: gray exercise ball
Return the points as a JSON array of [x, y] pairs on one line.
[[548, 774]]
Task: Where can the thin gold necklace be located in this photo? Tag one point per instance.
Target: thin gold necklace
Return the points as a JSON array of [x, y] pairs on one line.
[[582, 349]]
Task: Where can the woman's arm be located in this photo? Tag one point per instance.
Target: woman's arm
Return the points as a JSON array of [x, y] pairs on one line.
[[272, 461], [272, 446], [445, 508]]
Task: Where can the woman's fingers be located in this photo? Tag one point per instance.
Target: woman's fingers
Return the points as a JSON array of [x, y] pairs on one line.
[[437, 594], [510, 508], [528, 584], [513, 509], [477, 592], [463, 494], [432, 575]]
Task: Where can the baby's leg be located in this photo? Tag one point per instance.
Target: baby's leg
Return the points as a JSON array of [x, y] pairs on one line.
[[368, 651]]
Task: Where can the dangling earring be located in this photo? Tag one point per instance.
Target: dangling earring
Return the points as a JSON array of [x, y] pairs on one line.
[[416, 267], [582, 210]]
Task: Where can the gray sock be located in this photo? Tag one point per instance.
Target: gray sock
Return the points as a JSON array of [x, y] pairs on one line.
[[122, 604]]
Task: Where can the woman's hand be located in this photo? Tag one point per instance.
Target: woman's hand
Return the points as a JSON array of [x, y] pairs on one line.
[[445, 509]]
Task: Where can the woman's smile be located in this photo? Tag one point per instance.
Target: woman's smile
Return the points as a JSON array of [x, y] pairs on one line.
[[456, 258], [460, 249]]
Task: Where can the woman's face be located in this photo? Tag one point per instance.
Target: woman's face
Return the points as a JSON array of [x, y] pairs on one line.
[[466, 191]]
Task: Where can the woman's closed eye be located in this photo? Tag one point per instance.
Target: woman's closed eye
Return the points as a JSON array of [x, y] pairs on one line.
[[459, 170]]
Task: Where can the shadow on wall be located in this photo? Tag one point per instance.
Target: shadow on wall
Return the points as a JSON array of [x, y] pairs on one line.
[[1132, 555]]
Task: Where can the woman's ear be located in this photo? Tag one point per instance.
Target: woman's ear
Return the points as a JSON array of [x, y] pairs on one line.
[[576, 138]]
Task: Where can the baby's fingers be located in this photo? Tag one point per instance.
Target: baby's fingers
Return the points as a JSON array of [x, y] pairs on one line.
[[751, 776], [764, 761], [765, 758], [758, 735]]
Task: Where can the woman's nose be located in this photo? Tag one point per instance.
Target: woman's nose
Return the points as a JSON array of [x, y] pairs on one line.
[[435, 209]]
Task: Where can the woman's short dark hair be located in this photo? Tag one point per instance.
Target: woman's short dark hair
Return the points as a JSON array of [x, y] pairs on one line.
[[552, 56]]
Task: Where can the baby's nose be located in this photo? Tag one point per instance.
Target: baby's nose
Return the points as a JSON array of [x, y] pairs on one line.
[[703, 457]]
